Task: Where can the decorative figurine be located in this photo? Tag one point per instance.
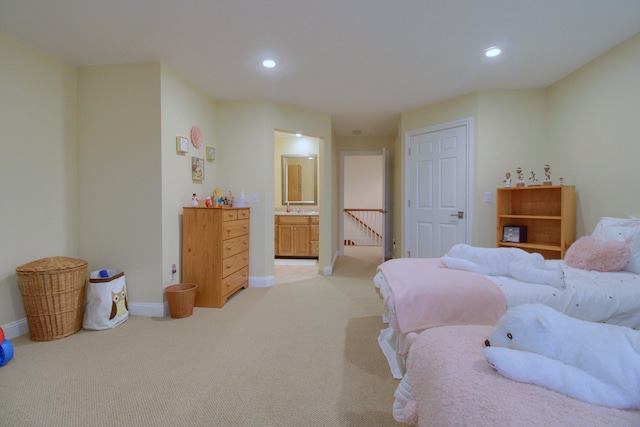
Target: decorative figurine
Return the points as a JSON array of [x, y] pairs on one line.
[[208, 203], [520, 182], [547, 175], [194, 200], [534, 179], [507, 179], [561, 180]]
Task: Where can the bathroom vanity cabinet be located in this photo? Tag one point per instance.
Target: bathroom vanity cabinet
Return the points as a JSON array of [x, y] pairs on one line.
[[296, 235]]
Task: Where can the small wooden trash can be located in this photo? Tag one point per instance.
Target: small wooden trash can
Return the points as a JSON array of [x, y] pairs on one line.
[[181, 298], [53, 293]]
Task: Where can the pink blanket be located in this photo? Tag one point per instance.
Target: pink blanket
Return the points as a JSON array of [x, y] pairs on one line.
[[425, 293], [453, 384]]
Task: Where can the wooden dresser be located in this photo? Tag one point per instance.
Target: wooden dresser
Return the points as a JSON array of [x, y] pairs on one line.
[[215, 252]]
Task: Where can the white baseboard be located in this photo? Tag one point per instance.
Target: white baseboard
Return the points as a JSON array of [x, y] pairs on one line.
[[147, 309], [15, 329], [21, 327], [328, 271], [261, 281]]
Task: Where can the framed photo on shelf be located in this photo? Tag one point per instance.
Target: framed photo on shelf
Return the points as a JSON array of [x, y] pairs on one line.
[[197, 168], [182, 144]]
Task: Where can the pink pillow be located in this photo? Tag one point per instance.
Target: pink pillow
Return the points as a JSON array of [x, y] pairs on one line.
[[589, 253]]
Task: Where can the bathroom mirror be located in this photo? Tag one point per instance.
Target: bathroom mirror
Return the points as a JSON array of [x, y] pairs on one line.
[[299, 179]]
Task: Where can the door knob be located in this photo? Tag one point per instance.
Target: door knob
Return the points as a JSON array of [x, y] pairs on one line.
[[460, 214]]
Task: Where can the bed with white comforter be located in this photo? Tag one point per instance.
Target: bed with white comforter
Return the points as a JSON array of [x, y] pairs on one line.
[[419, 294], [407, 286]]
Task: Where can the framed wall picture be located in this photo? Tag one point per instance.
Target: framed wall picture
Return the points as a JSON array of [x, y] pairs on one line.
[[211, 153], [197, 168], [182, 144]]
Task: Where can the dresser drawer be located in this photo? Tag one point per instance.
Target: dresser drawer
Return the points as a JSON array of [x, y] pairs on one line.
[[235, 246], [243, 213], [293, 220], [234, 263], [315, 219], [235, 281], [229, 214], [233, 229]]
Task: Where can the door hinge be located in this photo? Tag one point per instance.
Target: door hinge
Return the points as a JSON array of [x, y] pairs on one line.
[[409, 203]]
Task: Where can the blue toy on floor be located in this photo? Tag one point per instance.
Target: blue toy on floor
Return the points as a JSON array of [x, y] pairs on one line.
[[6, 349]]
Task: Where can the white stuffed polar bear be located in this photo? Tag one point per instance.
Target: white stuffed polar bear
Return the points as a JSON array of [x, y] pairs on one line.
[[594, 362], [515, 262]]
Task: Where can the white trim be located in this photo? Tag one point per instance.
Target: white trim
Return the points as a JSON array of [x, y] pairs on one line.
[[261, 281], [21, 327], [149, 309], [468, 122], [328, 271], [15, 329]]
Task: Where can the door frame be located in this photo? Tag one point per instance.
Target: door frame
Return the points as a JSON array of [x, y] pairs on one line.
[[468, 122]]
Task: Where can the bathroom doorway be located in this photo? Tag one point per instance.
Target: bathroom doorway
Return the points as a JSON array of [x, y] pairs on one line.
[[296, 243]]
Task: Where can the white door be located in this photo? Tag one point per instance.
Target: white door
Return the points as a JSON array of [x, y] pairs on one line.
[[386, 216], [438, 190]]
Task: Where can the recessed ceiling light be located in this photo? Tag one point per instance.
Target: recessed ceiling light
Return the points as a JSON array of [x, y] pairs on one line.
[[298, 135], [269, 63], [492, 51]]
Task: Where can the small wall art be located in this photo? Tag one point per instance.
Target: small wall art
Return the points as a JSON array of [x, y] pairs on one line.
[[197, 168], [211, 153], [182, 144], [196, 136]]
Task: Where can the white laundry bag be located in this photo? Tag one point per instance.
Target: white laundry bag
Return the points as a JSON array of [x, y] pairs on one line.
[[106, 302]]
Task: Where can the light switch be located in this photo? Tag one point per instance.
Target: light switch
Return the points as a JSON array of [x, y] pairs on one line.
[[487, 197], [254, 198]]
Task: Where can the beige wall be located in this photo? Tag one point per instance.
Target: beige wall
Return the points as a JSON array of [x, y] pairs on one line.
[[38, 165], [246, 129], [182, 106], [585, 126], [511, 132], [594, 130], [120, 169]]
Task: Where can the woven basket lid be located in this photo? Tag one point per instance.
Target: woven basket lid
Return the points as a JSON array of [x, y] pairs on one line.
[[55, 263]]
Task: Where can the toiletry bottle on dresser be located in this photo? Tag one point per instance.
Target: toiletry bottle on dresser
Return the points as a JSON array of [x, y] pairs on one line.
[[288, 207]]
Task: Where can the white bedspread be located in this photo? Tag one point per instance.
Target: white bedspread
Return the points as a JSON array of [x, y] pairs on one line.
[[588, 295]]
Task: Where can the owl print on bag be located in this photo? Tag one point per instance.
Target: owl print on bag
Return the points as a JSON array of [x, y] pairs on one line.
[[119, 306]]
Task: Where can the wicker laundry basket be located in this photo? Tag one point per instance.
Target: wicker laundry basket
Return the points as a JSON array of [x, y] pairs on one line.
[[181, 298], [53, 293]]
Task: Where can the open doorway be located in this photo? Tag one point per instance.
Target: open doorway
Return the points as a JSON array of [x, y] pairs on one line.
[[362, 202], [296, 207]]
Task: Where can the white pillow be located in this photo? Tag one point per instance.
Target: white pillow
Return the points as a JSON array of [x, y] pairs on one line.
[[624, 230], [634, 261]]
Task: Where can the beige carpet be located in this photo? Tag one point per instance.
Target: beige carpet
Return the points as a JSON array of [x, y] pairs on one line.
[[298, 354]]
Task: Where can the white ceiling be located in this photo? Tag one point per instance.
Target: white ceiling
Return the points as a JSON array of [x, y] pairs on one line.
[[362, 61]]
